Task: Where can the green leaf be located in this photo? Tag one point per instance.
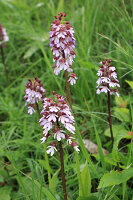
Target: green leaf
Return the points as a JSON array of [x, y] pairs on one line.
[[122, 114], [5, 193], [41, 37], [44, 164], [130, 83], [31, 51], [107, 159], [121, 102], [91, 197], [45, 191], [122, 134], [84, 151], [85, 186], [53, 182], [27, 184], [99, 146], [115, 178], [116, 130], [3, 173]]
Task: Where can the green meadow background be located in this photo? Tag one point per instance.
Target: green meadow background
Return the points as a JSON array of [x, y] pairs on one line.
[[103, 29]]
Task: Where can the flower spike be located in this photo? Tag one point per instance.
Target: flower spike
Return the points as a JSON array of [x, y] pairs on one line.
[[62, 42], [57, 119], [33, 94], [3, 36], [107, 81]]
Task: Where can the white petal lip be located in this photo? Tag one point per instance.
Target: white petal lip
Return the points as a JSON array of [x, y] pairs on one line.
[[59, 135], [76, 148], [112, 68], [72, 80], [54, 108], [63, 119], [70, 127], [31, 110], [43, 139], [52, 117], [51, 150]]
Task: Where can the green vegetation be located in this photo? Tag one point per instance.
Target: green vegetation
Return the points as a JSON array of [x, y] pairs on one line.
[[103, 29]]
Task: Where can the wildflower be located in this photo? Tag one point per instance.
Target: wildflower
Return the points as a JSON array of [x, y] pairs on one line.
[[31, 110], [43, 139], [3, 36], [75, 146], [62, 42], [72, 78], [69, 139], [59, 134], [56, 118], [107, 81], [33, 94], [51, 148]]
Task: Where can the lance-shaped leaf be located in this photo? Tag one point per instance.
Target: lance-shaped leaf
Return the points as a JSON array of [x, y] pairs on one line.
[[115, 178]]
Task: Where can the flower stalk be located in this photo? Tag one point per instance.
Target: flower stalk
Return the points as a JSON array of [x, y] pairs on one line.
[[109, 118], [62, 166], [62, 170]]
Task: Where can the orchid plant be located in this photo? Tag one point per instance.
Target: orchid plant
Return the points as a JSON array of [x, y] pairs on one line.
[[109, 84], [56, 120]]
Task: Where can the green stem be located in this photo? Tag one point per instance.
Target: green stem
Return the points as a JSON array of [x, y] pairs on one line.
[[44, 145]]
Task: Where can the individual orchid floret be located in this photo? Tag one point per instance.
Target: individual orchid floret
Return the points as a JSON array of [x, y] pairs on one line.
[[75, 146], [72, 78], [107, 81], [51, 148], [56, 121], [62, 42], [58, 134], [33, 94], [3, 36], [69, 139]]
